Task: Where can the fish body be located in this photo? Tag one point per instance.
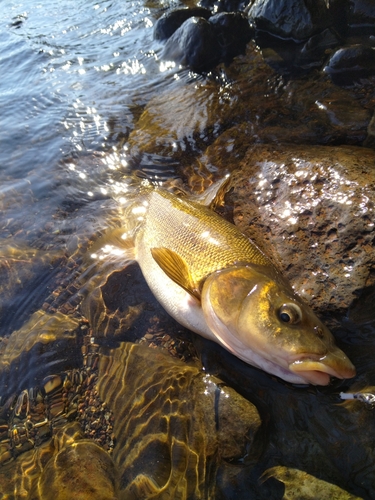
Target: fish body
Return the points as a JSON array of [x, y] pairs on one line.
[[216, 282]]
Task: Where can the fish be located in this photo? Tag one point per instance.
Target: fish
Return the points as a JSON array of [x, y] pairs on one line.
[[215, 281]]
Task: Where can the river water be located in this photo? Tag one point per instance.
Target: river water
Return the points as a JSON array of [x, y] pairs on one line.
[[75, 78], [72, 74]]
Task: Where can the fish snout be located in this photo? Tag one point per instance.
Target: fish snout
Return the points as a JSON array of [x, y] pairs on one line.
[[318, 370]]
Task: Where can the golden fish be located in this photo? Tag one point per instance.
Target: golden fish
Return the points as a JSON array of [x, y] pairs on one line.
[[215, 281]]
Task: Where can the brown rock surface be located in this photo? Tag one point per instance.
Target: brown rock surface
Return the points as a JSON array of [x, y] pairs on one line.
[[311, 209]]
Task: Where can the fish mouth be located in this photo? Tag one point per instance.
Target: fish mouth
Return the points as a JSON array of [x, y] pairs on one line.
[[319, 370]]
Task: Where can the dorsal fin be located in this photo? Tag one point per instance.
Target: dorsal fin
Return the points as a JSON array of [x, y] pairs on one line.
[[176, 269], [213, 196]]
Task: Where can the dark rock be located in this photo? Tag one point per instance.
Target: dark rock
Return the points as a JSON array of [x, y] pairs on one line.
[[353, 17], [349, 64], [315, 48], [169, 22], [233, 33], [224, 5], [361, 16], [338, 11], [370, 139], [290, 19], [194, 44], [287, 57]]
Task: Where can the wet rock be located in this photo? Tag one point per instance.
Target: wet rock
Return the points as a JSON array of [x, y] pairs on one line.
[[287, 57], [25, 274], [224, 5], [251, 102], [79, 470], [173, 423], [233, 32], [370, 140], [169, 22], [353, 17], [116, 301], [350, 64], [294, 58], [201, 45], [299, 484], [311, 209], [361, 16], [22, 474], [30, 352], [184, 119], [194, 44], [314, 50], [296, 19], [312, 430]]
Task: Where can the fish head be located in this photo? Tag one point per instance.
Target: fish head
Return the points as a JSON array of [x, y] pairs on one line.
[[257, 316]]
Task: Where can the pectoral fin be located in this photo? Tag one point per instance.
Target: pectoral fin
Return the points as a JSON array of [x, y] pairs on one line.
[[176, 269]]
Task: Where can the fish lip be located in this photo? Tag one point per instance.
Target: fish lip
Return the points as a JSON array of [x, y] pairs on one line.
[[318, 369]]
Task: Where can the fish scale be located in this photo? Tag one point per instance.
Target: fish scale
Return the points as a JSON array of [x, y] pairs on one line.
[[206, 241]]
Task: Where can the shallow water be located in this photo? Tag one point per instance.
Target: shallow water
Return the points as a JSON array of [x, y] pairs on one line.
[[73, 74], [76, 77]]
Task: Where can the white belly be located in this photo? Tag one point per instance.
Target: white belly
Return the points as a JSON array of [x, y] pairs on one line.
[[182, 306]]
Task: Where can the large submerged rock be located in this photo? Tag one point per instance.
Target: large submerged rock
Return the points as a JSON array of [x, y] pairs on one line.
[[174, 424], [252, 108]]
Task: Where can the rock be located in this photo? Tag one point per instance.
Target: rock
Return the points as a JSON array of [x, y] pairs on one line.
[[194, 44], [353, 17], [299, 484], [22, 271], [350, 64], [30, 352], [233, 32], [289, 58], [290, 19], [224, 5], [174, 423], [370, 140], [361, 16], [315, 49], [81, 469], [311, 209], [169, 22], [254, 103]]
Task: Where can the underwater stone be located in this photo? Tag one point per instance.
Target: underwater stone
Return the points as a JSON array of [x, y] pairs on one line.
[[300, 484], [29, 354], [173, 423], [80, 470]]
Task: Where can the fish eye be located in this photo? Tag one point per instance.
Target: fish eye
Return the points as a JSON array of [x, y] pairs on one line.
[[290, 313]]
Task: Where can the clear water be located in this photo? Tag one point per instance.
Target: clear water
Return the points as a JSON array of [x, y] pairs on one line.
[[73, 72]]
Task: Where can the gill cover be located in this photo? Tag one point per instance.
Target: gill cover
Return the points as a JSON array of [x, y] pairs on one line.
[[225, 298]]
